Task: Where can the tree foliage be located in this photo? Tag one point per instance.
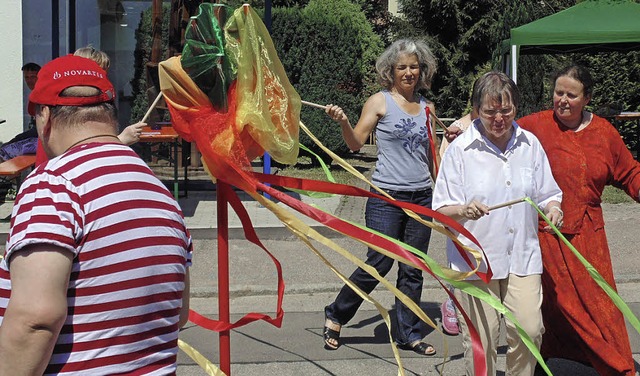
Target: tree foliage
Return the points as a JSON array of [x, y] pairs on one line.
[[616, 79], [466, 37], [142, 53], [328, 49]]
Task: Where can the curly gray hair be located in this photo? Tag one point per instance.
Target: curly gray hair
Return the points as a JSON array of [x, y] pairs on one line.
[[389, 58]]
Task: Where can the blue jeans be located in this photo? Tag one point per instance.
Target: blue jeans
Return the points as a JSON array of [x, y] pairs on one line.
[[394, 222]]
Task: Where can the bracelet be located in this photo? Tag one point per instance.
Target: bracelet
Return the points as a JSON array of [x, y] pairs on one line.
[[558, 209]]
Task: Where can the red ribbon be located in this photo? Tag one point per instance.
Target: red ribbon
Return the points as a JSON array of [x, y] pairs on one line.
[[250, 234], [348, 190], [432, 143], [359, 233]]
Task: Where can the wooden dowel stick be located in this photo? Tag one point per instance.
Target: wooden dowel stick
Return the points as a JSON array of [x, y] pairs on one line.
[[507, 204], [440, 123], [314, 105], [153, 105]]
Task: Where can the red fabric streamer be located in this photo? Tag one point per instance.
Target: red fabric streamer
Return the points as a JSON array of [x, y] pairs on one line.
[[250, 234], [359, 233], [432, 142], [348, 190]]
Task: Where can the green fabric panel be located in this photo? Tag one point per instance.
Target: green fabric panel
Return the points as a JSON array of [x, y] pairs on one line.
[[589, 22]]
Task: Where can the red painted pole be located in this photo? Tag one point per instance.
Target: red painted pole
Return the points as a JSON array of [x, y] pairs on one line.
[[223, 275]]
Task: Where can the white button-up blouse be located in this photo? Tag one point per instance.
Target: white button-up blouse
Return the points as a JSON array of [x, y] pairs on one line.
[[473, 168]]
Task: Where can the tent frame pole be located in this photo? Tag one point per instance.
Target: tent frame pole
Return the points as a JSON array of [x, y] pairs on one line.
[[514, 63]]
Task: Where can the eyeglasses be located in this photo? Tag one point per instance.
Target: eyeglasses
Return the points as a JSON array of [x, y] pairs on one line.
[[491, 113]]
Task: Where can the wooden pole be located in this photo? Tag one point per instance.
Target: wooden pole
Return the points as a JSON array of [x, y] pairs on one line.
[[156, 31], [222, 189], [223, 275], [153, 105], [440, 123], [266, 157], [314, 105], [323, 107]]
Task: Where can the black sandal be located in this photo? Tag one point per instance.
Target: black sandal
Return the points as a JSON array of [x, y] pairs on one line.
[[331, 334], [420, 348]]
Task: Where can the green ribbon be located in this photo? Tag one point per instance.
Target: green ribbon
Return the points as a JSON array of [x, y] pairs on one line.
[[473, 291], [327, 172], [617, 300]]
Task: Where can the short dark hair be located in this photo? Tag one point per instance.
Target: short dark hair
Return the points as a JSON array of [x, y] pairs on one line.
[[578, 73], [496, 86], [31, 67]]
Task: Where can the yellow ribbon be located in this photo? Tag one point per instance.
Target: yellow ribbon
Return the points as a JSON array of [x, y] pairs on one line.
[[203, 362]]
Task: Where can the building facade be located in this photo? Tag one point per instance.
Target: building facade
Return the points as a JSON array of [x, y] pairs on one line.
[[40, 30]]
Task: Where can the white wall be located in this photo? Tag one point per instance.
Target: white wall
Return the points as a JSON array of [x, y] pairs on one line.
[[393, 7], [11, 81]]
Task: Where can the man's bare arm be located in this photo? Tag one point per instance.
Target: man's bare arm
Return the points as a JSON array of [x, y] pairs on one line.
[[37, 308], [186, 296]]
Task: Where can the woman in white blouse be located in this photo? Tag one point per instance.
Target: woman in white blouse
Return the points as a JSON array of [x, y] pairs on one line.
[[493, 162]]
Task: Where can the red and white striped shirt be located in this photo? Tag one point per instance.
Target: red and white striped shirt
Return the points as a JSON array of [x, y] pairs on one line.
[[131, 247]]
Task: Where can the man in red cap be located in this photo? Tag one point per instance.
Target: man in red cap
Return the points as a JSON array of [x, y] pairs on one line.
[[94, 278]]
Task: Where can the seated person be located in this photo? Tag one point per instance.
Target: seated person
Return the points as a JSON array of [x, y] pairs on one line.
[[22, 146], [25, 142]]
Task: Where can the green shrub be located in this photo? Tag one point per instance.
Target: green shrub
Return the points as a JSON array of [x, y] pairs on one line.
[[613, 195], [616, 79], [328, 49]]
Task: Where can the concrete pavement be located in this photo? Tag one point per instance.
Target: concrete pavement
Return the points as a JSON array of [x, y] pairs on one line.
[[296, 348]]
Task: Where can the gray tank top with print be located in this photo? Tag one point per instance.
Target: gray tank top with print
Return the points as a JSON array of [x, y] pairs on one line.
[[403, 149]]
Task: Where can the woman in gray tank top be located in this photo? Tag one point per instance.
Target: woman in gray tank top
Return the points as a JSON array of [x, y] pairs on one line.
[[398, 116]]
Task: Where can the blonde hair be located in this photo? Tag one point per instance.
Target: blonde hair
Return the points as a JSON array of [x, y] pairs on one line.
[[96, 55]]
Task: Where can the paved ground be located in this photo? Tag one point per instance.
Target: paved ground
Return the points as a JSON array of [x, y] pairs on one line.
[[296, 347]]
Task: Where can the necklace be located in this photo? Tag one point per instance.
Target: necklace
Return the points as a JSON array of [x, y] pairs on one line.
[[90, 138]]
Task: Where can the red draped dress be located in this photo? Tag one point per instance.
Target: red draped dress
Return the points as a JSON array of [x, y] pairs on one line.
[[581, 321]]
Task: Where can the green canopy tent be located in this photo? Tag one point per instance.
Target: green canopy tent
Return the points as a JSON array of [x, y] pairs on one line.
[[589, 26]]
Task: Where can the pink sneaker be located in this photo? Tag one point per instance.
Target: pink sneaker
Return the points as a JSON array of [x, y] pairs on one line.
[[449, 318]]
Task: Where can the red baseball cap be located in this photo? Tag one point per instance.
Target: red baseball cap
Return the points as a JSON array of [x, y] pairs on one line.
[[65, 72]]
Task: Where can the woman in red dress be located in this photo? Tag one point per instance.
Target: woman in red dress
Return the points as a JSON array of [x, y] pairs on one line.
[[586, 153]]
